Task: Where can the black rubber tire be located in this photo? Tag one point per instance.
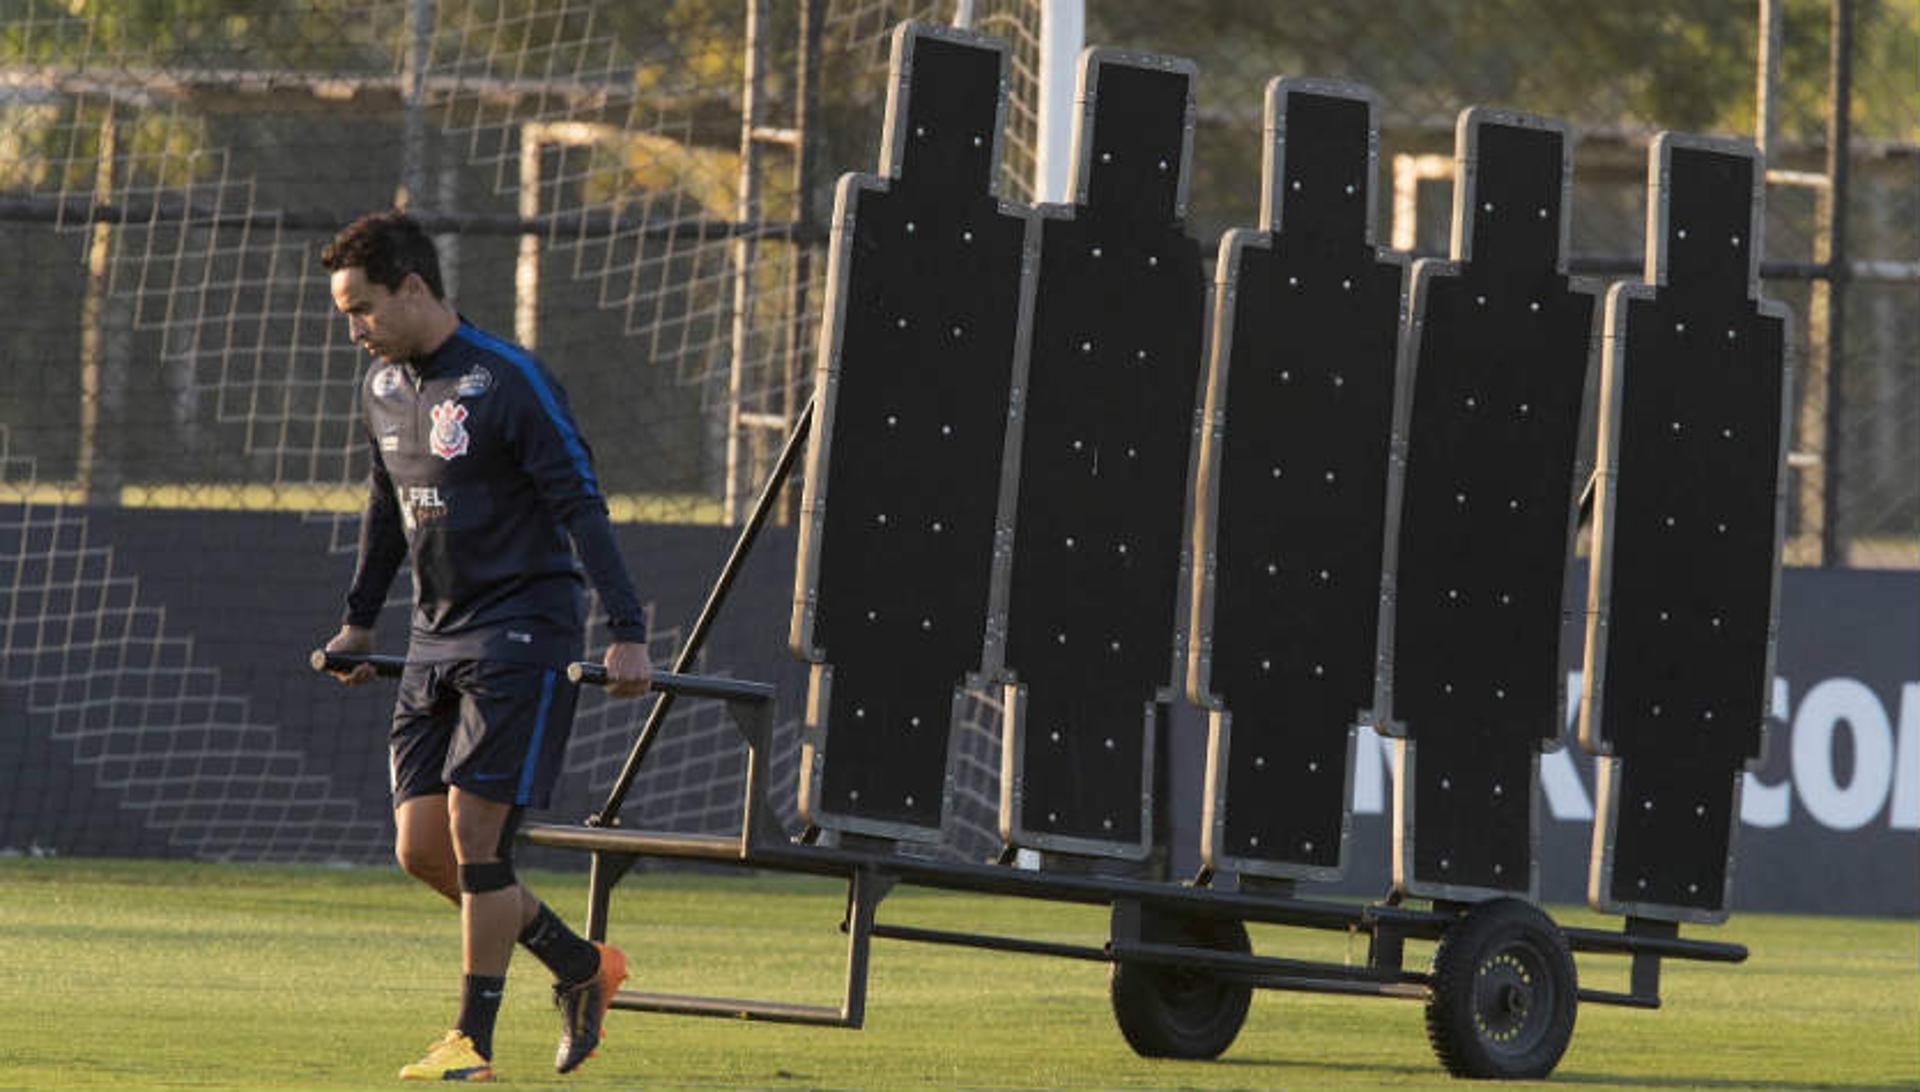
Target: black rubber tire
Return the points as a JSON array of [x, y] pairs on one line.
[[1504, 993], [1177, 1012]]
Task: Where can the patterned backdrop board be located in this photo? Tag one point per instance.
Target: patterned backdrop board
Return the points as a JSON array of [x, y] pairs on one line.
[[1470, 635], [1689, 515], [917, 382], [1095, 581], [1293, 481]]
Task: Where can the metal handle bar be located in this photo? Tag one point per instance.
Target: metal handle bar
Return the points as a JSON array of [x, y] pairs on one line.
[[584, 673]]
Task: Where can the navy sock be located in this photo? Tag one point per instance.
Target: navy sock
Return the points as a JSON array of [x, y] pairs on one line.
[[570, 957], [479, 1006]]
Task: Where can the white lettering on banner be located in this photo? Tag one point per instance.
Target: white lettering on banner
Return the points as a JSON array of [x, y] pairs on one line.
[[1906, 762], [1886, 762], [1761, 804], [1827, 706]]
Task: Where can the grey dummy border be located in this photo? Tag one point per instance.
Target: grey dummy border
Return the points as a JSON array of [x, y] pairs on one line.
[[815, 732], [1206, 517], [1013, 826], [1613, 367], [1466, 167]]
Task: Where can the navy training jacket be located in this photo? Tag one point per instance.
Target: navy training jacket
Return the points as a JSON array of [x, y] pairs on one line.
[[480, 473]]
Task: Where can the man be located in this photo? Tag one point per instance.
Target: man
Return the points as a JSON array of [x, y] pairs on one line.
[[479, 472]]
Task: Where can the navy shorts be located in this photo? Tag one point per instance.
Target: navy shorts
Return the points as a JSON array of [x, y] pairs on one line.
[[494, 728]]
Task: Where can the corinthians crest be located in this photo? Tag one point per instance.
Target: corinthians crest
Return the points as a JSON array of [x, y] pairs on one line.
[[449, 437]]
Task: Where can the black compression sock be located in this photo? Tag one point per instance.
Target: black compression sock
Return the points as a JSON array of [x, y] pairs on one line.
[[479, 1006], [566, 954]]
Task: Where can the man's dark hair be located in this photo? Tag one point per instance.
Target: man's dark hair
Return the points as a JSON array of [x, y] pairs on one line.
[[388, 246]]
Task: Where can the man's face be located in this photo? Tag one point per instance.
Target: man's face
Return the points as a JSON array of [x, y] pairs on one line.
[[384, 322]]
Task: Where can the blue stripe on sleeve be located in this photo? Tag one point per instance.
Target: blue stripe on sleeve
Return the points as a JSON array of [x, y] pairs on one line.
[[514, 354], [524, 794]]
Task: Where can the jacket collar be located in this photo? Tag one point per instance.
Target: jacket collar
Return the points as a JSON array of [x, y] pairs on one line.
[[443, 356]]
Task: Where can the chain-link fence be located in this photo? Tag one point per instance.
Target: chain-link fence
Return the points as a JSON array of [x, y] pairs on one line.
[[169, 172], [640, 191], [1619, 73]]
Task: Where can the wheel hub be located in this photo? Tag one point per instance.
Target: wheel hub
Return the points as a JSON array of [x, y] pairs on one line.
[[1504, 1000], [1513, 1000]]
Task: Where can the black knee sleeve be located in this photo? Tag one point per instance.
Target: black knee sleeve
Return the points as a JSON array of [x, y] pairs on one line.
[[485, 876], [497, 874]]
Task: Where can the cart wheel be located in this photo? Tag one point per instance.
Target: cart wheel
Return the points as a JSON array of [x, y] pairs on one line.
[[1504, 993], [1177, 1012]]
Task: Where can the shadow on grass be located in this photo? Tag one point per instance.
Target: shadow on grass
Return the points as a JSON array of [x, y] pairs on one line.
[[1282, 1062], [1563, 1076], [1772, 1084]]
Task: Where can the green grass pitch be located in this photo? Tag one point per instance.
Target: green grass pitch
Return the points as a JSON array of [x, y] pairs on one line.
[[169, 975]]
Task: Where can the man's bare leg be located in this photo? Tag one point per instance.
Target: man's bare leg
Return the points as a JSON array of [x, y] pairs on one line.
[[423, 844], [490, 920], [493, 916]]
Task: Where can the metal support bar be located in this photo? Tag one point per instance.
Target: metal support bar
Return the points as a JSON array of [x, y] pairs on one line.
[[723, 848], [1625, 1000], [744, 252], [526, 264], [96, 348], [1766, 64], [1669, 945], [759, 823], [1261, 972], [872, 875], [1390, 926], [605, 870], [864, 892], [413, 78], [806, 105], [1182, 955], [1839, 137], [786, 856], [1644, 979], [1648, 940], [166, 208], [668, 683], [676, 684], [865, 888], [992, 942], [1386, 949], [774, 1012], [1401, 990]]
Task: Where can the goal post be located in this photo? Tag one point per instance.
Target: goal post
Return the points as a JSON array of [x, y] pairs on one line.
[[1063, 32]]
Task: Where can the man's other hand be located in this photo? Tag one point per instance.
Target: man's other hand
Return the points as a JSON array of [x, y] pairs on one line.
[[353, 639], [629, 672]]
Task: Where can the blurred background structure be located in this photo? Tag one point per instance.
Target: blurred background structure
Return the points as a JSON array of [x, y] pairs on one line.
[[640, 192]]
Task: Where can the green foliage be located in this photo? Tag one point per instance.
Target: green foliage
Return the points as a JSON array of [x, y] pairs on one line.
[[1680, 64]]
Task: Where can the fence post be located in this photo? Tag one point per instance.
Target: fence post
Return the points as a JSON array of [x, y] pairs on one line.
[[1831, 293]]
